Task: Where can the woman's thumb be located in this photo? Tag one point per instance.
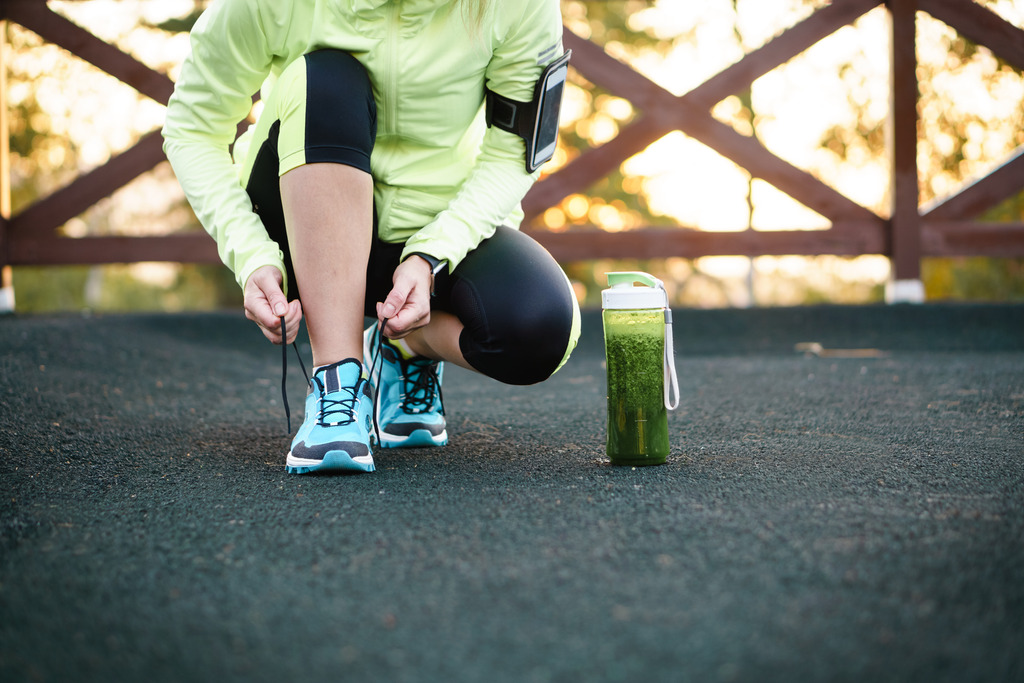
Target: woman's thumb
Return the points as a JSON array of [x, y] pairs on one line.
[[271, 288]]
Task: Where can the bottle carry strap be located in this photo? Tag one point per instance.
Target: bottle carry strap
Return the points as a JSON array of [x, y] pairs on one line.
[[671, 380]]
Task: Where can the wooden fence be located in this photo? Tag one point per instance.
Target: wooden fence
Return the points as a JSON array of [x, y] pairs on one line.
[[908, 233]]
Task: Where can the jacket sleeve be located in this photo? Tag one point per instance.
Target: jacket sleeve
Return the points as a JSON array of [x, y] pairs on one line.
[[229, 60], [496, 185]]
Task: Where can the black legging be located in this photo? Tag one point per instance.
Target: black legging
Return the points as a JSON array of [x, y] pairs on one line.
[[515, 303]]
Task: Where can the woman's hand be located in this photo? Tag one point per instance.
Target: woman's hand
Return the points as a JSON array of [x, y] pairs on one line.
[[265, 303], [407, 306]]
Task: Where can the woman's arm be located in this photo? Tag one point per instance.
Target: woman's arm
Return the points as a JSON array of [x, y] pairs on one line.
[[499, 180], [230, 59]]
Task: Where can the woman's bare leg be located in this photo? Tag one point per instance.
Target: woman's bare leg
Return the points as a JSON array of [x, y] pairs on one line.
[[328, 209], [439, 339]]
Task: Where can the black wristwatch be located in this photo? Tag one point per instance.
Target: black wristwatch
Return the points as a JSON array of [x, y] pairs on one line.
[[436, 265]]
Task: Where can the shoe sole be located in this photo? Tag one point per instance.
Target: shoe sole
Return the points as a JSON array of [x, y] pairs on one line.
[[334, 461], [420, 438]]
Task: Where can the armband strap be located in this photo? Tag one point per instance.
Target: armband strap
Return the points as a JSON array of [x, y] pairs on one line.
[[536, 121], [509, 115]]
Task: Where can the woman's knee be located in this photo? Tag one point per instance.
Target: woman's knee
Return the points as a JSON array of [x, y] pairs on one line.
[[533, 342], [520, 316]]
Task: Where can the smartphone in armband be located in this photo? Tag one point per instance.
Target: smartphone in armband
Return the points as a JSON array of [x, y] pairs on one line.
[[548, 96], [536, 122]]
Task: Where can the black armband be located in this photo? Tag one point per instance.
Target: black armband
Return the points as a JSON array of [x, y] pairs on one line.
[[536, 122]]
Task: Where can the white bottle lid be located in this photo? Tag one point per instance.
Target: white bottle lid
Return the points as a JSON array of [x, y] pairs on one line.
[[624, 294]]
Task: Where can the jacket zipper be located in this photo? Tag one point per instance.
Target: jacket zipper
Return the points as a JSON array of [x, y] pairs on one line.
[[391, 78]]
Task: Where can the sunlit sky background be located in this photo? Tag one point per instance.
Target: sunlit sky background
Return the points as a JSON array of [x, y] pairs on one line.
[[684, 180]]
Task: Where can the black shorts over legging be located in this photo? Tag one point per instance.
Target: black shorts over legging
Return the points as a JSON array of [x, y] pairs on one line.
[[519, 315]]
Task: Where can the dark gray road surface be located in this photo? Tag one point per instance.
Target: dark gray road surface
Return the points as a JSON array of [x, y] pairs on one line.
[[831, 517]]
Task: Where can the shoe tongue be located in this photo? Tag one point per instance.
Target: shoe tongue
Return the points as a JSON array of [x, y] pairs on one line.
[[343, 374]]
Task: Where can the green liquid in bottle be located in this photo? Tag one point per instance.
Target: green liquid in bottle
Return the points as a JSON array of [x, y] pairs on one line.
[[637, 417]]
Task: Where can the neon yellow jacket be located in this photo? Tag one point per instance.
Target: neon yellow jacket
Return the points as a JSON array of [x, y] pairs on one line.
[[442, 179]]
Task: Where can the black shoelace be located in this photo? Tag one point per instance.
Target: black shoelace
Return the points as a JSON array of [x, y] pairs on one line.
[[331, 408], [420, 383], [350, 409], [284, 371]]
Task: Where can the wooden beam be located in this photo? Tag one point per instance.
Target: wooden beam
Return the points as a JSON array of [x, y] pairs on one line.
[[666, 112], [905, 228], [193, 247], [972, 238], [750, 154], [36, 16], [592, 243], [603, 70], [1000, 184], [49, 213], [980, 25], [594, 164], [779, 50]]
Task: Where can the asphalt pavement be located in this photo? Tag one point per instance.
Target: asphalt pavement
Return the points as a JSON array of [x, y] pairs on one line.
[[843, 501]]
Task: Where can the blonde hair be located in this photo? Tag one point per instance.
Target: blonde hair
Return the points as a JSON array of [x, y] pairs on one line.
[[473, 12]]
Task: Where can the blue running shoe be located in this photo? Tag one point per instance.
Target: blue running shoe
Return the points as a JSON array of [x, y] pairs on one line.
[[336, 433], [410, 408]]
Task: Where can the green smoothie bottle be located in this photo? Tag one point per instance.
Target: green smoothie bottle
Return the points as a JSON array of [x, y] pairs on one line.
[[641, 368]]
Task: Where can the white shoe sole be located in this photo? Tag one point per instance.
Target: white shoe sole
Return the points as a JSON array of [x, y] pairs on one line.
[[334, 461]]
